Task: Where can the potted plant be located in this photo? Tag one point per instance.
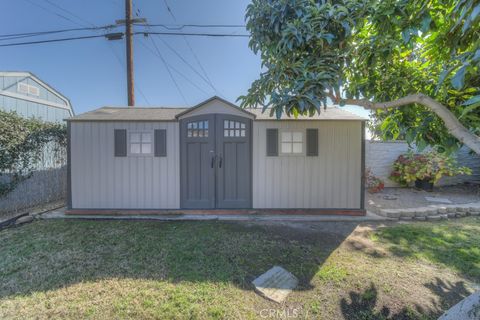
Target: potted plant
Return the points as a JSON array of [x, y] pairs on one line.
[[424, 170], [373, 183]]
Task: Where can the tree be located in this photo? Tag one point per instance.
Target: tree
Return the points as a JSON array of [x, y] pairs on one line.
[[415, 63]]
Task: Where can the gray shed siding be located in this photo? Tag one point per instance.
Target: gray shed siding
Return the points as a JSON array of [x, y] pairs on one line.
[[29, 109], [331, 180], [102, 181]]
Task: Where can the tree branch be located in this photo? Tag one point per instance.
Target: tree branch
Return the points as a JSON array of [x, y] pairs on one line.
[[454, 126]]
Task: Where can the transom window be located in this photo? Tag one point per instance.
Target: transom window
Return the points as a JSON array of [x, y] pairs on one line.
[[233, 128], [292, 142], [197, 129], [140, 142]]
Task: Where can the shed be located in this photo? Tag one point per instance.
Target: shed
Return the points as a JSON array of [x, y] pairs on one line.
[[215, 157]]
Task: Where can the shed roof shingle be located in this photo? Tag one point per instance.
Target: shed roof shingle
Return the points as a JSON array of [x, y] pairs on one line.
[[169, 114]]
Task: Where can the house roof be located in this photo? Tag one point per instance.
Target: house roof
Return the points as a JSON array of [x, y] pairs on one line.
[[331, 113], [41, 82], [228, 103], [173, 113]]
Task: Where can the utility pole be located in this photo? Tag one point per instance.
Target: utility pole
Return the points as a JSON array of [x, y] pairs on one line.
[[129, 47], [128, 22]]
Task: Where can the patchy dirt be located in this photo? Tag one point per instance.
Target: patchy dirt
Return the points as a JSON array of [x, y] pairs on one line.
[[33, 210], [396, 198]]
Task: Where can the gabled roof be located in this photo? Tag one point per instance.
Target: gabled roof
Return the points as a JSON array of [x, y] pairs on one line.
[[41, 82], [173, 113], [129, 114], [331, 113], [201, 104]]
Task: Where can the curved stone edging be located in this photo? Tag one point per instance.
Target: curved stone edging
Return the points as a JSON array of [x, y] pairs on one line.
[[433, 212]]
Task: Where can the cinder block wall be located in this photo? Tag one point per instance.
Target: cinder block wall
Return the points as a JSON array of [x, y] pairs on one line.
[[381, 155]]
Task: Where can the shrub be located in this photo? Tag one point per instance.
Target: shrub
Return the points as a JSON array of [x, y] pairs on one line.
[[22, 142], [373, 183], [430, 166]]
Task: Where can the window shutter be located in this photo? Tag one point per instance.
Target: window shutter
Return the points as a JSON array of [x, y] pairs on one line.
[[160, 141], [312, 142], [272, 142], [120, 142]]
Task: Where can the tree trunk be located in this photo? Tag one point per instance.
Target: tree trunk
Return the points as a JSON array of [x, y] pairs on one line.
[[454, 126]]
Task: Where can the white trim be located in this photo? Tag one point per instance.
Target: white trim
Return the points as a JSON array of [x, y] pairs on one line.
[[36, 100], [46, 86]]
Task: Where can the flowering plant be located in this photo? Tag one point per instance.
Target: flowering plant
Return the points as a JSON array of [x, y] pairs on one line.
[[373, 183], [430, 166]]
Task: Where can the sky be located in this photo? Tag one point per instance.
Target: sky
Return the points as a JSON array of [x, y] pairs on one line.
[[92, 72]]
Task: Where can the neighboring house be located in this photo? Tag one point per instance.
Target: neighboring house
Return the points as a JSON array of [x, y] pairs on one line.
[[29, 97], [215, 156]]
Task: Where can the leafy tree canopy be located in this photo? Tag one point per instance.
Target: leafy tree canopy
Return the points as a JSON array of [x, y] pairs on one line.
[[369, 51]]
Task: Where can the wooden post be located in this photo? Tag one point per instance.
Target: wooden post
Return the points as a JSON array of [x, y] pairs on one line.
[[129, 46]]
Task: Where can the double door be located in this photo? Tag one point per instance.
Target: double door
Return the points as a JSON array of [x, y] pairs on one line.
[[216, 162]]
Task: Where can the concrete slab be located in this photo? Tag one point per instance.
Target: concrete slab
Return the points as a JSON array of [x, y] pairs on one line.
[[275, 284], [60, 214], [467, 309], [439, 200]]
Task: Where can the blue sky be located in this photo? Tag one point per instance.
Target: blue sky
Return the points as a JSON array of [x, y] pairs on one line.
[[92, 72]]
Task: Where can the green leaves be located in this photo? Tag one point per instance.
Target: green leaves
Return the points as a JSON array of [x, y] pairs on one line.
[[22, 143], [370, 49], [458, 81]]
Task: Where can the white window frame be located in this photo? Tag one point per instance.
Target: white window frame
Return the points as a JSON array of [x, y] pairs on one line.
[[141, 143], [292, 141]]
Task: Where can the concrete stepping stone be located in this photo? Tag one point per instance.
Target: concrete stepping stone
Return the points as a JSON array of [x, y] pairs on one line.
[[439, 200], [275, 284], [467, 309]]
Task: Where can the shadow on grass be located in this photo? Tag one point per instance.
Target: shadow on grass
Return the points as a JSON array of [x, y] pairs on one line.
[[364, 305], [448, 293], [48, 255], [452, 244]]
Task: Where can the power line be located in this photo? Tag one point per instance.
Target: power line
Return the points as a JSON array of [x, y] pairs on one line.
[[177, 71], [186, 62], [50, 40], [51, 12], [183, 26], [169, 72], [191, 50], [69, 12], [42, 33], [194, 34]]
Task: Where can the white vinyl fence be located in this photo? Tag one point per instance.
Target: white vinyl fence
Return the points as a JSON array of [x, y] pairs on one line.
[[47, 184], [381, 155]]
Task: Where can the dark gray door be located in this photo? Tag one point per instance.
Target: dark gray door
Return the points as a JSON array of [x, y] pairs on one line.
[[197, 161], [234, 163], [216, 162]]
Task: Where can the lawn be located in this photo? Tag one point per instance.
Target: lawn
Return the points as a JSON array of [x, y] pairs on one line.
[[203, 270]]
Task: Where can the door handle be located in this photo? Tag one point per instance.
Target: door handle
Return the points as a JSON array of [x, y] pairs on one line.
[[213, 162], [220, 160]]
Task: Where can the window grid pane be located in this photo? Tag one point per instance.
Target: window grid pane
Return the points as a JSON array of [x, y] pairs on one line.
[[146, 148], [197, 129], [286, 147], [135, 148]]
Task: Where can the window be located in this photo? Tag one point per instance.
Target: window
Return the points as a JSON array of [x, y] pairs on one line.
[[233, 128], [197, 129], [23, 88], [28, 89], [140, 143], [292, 142]]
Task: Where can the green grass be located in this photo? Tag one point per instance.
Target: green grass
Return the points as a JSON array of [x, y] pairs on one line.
[[454, 244], [203, 270]]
